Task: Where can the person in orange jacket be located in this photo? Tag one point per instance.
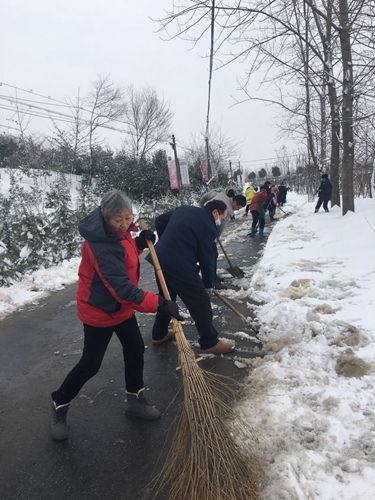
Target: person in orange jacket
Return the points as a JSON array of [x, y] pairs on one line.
[[257, 212]]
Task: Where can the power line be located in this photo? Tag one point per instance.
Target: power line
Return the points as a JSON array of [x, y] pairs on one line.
[[51, 114], [38, 115], [33, 100], [18, 102], [49, 98], [64, 120], [258, 160], [30, 92]]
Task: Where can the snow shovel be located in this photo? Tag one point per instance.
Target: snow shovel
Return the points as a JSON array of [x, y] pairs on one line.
[[232, 308], [235, 271], [283, 211], [298, 208]]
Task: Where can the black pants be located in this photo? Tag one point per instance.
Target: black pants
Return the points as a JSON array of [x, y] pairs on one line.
[[256, 218], [198, 303], [96, 341], [319, 204], [272, 210], [247, 208]]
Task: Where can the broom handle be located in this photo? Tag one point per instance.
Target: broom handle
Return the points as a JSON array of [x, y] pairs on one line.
[[227, 303], [155, 261], [225, 253], [159, 274]]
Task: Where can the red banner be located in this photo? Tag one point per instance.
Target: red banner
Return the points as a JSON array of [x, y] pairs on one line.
[[204, 170], [172, 172]]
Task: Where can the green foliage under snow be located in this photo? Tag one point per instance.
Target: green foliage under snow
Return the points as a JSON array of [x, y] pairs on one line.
[[39, 216]]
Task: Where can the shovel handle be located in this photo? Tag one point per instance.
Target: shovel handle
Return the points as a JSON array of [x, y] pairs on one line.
[[225, 253], [227, 303]]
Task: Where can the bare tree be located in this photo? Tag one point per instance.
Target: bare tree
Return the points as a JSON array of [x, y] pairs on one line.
[[311, 43], [106, 104], [73, 139], [222, 149], [148, 119], [324, 28]]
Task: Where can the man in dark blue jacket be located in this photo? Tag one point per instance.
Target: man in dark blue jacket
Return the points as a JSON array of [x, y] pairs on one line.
[[185, 247], [324, 193]]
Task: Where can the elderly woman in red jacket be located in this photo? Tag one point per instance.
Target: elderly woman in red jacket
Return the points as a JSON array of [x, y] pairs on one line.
[[107, 297]]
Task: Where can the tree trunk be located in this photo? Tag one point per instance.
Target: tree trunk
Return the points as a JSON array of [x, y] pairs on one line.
[[305, 54], [323, 126], [326, 38], [335, 145], [347, 111]]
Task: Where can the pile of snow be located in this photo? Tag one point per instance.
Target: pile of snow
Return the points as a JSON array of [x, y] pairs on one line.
[[41, 179], [314, 391], [34, 286]]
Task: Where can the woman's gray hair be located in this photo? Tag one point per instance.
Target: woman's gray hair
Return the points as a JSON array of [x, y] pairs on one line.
[[113, 203]]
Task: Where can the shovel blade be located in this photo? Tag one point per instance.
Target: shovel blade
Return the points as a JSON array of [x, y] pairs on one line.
[[236, 272]]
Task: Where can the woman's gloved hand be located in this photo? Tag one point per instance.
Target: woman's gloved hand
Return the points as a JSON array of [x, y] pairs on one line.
[[169, 307], [144, 235]]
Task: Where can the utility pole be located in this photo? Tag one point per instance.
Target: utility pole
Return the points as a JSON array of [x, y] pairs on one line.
[[239, 172], [230, 170], [208, 158], [174, 147]]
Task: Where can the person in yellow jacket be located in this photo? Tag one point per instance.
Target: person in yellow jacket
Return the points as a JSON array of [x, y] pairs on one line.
[[249, 193]]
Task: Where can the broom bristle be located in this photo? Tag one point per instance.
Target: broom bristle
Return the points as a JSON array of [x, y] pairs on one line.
[[205, 462]]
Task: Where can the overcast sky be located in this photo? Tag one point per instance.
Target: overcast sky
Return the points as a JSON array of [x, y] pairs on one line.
[[55, 48]]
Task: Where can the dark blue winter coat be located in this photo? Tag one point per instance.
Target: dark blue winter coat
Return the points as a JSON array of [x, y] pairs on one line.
[[325, 190], [186, 239]]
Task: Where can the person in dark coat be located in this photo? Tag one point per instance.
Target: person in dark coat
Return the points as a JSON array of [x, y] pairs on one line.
[[185, 247], [107, 297], [324, 193], [233, 203], [281, 197], [266, 187]]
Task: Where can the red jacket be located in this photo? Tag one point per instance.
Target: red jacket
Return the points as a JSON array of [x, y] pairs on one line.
[[257, 201], [108, 292]]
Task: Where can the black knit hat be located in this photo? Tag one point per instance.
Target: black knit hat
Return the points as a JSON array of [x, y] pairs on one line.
[[325, 176]]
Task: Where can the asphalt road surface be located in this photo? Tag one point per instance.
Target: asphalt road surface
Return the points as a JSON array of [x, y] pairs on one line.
[[107, 455]]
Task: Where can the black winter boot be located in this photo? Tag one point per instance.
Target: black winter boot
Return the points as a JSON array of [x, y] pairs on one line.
[[57, 420], [139, 406]]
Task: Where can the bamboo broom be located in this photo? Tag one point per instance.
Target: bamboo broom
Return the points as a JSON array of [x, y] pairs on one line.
[[204, 462]]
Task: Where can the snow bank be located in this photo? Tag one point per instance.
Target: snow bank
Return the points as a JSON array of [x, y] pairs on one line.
[[315, 389]]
